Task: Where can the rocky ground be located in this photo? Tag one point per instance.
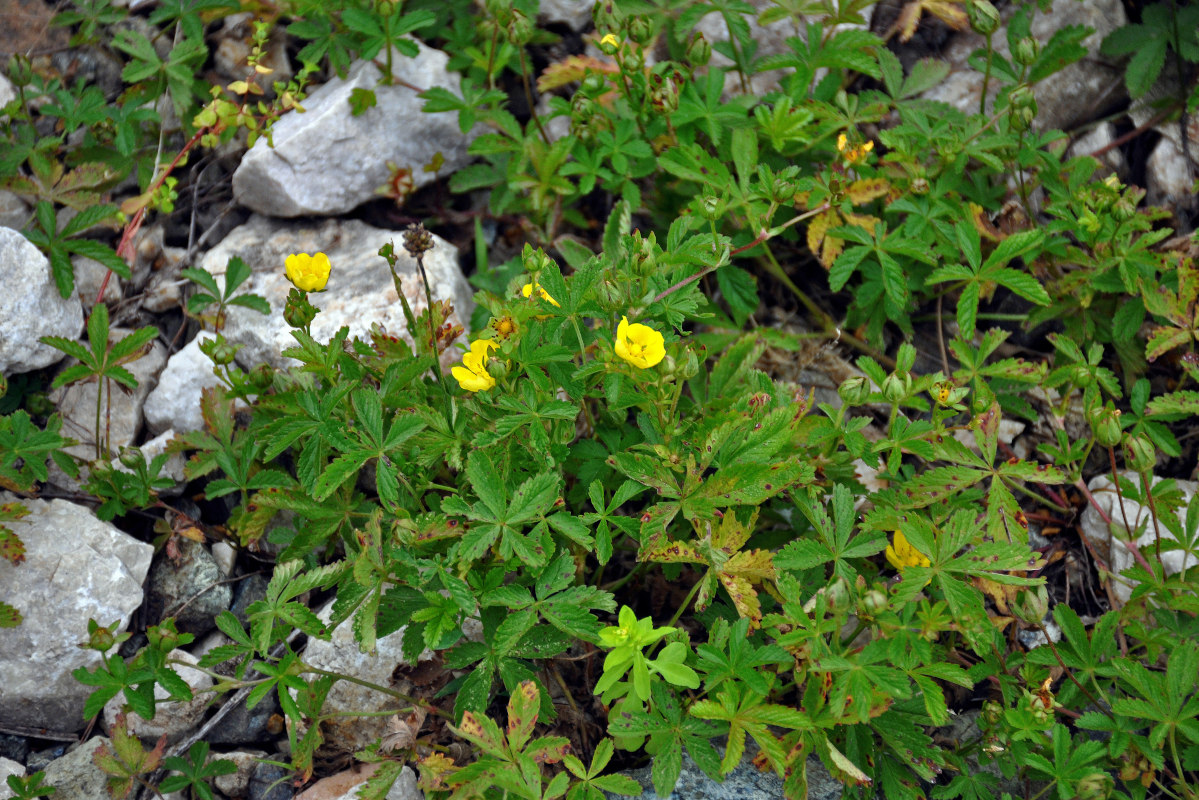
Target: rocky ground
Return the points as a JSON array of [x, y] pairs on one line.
[[316, 191]]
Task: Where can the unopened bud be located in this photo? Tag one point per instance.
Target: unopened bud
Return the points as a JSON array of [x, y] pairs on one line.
[[220, 350], [897, 388], [417, 240], [1026, 50], [298, 312], [874, 602], [1139, 453], [699, 51], [641, 30], [854, 391], [1032, 604], [1105, 424], [984, 17]]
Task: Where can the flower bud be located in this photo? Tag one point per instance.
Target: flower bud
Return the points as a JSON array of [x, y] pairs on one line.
[[20, 70], [689, 367], [920, 186], [896, 388], [1026, 51], [641, 30], [417, 240], [221, 350], [1094, 786], [992, 712], [1124, 209], [520, 28], [1105, 424], [100, 637], [165, 636], [699, 50], [1022, 97], [606, 15], [609, 44], [261, 377], [837, 594], [1021, 119], [1032, 604], [298, 312], [131, 458], [497, 368], [664, 93], [984, 17], [874, 602], [593, 84], [1139, 453], [854, 391]]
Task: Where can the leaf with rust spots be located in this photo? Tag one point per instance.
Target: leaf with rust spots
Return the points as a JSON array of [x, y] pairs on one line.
[[434, 769], [522, 714], [12, 549], [572, 69], [864, 191]]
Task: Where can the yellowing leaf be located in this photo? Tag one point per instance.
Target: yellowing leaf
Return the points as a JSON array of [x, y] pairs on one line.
[[826, 248], [867, 189], [570, 70]]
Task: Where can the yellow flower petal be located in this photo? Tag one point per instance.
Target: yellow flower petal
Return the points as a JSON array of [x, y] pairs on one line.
[[639, 345], [527, 290], [473, 375], [308, 273], [901, 554]]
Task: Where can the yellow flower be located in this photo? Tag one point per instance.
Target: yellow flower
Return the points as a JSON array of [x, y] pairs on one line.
[[638, 344], [610, 43], [527, 290], [308, 273], [855, 154], [503, 327], [472, 375], [901, 554]]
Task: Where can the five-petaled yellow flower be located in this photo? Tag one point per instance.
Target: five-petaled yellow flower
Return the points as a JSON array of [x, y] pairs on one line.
[[527, 290], [901, 554], [855, 154], [472, 375], [638, 344], [308, 273]]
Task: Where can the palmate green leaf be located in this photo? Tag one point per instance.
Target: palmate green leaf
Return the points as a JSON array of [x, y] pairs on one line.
[[669, 730]]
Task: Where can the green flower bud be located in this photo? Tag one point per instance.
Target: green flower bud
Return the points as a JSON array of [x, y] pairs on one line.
[[100, 637], [992, 712], [20, 70], [261, 377], [874, 602], [1095, 786], [984, 17], [1021, 119], [165, 636], [854, 391], [1022, 97], [1124, 208], [520, 28], [298, 312], [689, 368], [593, 84], [896, 388], [1105, 424], [497, 368], [664, 93], [1026, 51], [837, 594], [131, 458], [220, 349], [699, 50], [641, 30], [1139, 453], [606, 16], [1032, 604]]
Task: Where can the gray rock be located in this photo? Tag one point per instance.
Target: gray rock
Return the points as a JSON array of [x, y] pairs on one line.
[[327, 161], [575, 13], [95, 572], [236, 784], [1109, 540], [244, 725], [271, 782], [14, 748], [1065, 98], [246, 593], [175, 402], [8, 92], [89, 275], [36, 310], [189, 589], [341, 654], [745, 782], [1169, 179], [1096, 139], [360, 291], [172, 718], [75, 776], [8, 767], [122, 412], [14, 212]]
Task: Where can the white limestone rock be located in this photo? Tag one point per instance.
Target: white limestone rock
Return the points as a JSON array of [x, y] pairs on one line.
[[1110, 540], [360, 290], [175, 402], [172, 718], [1065, 98], [96, 572], [36, 310], [327, 161]]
